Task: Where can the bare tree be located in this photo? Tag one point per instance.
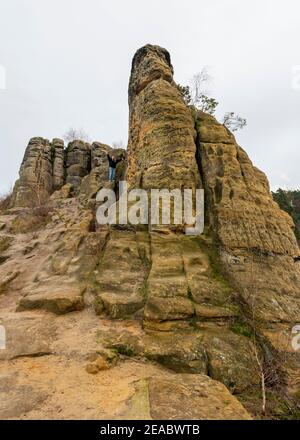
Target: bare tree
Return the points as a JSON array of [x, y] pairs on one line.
[[75, 134], [198, 86], [199, 92], [118, 145]]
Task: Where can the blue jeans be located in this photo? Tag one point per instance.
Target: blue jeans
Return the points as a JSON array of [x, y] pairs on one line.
[[111, 173]]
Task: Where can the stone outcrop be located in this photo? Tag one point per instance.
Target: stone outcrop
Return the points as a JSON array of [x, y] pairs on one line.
[[123, 294], [240, 207], [192, 397], [48, 166], [78, 162], [35, 182], [161, 147], [255, 240], [186, 396], [203, 317], [98, 176], [58, 167]]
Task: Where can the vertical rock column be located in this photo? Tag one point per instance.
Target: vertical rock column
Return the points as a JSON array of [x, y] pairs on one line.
[[161, 148], [35, 182], [78, 162], [58, 163], [98, 176], [161, 154]]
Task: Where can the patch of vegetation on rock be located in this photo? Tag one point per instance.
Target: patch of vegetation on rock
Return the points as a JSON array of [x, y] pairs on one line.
[[289, 201], [240, 327]]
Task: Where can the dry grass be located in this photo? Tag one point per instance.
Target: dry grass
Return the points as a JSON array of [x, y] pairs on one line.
[[31, 220], [5, 201]]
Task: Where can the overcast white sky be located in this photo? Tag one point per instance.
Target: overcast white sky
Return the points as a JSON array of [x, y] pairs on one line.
[[67, 63]]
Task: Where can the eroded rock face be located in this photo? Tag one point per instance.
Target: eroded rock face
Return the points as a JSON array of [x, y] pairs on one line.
[[98, 176], [186, 396], [58, 172], [161, 147], [240, 207], [35, 182], [186, 308], [26, 337], [256, 240], [78, 162], [122, 274], [193, 397], [48, 166]]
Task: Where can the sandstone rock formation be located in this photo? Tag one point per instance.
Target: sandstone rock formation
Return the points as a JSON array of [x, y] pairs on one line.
[[48, 166], [171, 326], [97, 178], [255, 239], [241, 209], [161, 147], [78, 162], [35, 182], [58, 164]]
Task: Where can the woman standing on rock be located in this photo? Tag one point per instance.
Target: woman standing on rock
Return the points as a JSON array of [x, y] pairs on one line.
[[113, 162]]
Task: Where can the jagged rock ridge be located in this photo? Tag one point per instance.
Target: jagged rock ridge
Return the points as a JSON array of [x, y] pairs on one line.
[[48, 166]]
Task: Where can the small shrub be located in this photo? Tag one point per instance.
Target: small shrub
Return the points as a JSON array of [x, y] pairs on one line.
[[5, 242], [125, 350]]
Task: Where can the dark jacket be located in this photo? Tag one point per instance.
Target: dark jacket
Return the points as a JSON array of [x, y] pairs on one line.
[[113, 163]]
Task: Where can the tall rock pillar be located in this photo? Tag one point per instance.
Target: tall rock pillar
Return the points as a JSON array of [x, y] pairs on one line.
[[35, 182], [58, 163], [161, 148]]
